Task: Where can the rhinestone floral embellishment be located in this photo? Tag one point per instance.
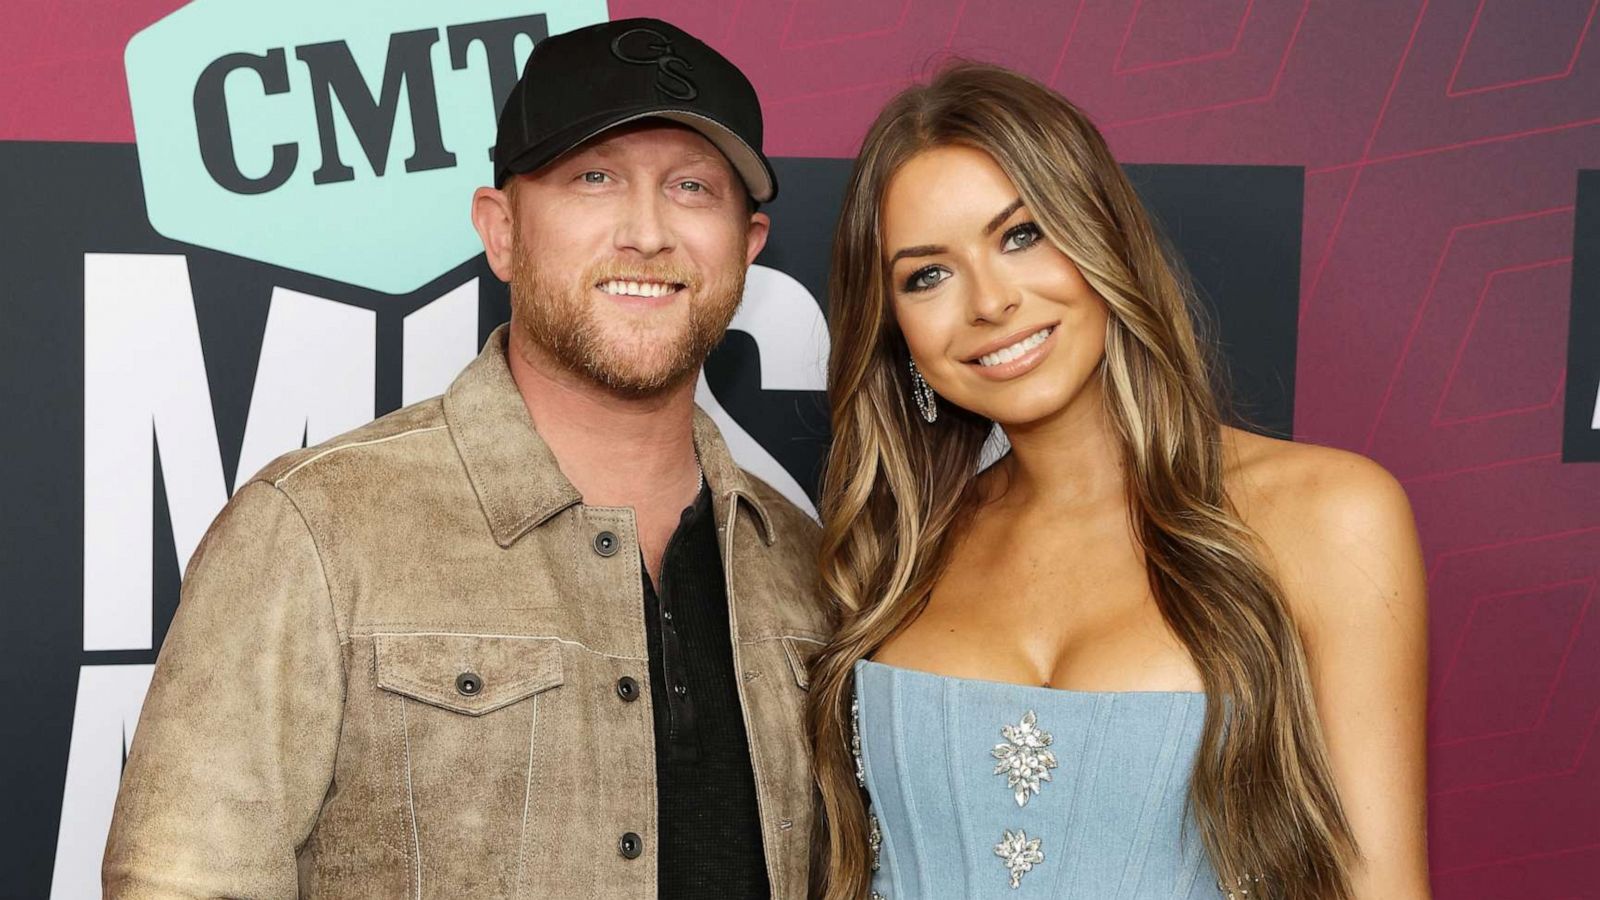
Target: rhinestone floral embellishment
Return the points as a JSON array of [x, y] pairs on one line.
[[855, 738], [874, 839], [1241, 888], [1019, 854], [874, 833], [1025, 757]]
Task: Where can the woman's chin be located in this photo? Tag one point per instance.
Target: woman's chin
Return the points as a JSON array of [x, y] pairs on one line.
[[1024, 411]]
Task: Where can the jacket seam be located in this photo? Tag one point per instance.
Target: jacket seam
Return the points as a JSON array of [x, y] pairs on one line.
[[278, 482], [786, 637], [520, 637], [411, 806], [322, 567], [527, 796]]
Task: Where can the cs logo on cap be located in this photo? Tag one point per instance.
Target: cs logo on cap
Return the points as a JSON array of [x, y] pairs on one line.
[[645, 47]]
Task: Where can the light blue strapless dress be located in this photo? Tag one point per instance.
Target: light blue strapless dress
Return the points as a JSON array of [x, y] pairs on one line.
[[985, 789]]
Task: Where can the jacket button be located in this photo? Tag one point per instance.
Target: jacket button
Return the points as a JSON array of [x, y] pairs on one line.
[[627, 689], [630, 846], [606, 543], [468, 684]]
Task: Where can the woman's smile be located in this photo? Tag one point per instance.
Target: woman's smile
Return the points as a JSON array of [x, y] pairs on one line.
[[1015, 357]]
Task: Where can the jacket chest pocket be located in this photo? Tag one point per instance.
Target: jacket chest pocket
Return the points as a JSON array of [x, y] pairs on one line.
[[469, 674], [472, 719]]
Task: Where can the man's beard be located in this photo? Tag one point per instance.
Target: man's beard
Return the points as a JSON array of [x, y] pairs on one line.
[[562, 319]]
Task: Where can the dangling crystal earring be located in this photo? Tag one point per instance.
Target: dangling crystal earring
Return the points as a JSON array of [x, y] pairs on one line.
[[927, 403]]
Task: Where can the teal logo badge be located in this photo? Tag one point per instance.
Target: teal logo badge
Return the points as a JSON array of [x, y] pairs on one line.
[[342, 139]]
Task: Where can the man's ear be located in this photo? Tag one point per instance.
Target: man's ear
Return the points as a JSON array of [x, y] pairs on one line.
[[756, 236], [492, 214]]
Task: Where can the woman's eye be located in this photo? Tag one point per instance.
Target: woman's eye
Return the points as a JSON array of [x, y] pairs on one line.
[[1022, 237], [595, 177], [923, 279]]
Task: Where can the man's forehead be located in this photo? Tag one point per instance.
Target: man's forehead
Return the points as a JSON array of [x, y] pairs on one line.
[[664, 137]]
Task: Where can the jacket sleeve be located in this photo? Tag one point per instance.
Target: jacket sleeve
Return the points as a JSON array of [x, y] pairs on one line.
[[235, 745]]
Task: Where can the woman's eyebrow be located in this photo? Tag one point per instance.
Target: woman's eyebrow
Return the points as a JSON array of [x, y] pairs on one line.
[[919, 250], [1003, 215], [935, 249]]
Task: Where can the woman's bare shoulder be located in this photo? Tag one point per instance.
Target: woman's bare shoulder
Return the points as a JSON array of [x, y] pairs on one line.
[[1323, 515], [1276, 483]]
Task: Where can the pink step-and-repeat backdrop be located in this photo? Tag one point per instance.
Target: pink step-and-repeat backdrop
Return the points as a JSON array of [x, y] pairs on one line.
[[228, 228]]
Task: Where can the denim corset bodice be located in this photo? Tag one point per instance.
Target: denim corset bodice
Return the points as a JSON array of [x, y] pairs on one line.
[[986, 789]]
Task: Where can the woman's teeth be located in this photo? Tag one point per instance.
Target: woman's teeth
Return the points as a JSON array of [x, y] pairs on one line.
[[637, 288], [1007, 354]]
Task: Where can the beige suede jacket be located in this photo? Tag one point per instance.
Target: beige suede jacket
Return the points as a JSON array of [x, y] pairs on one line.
[[395, 672]]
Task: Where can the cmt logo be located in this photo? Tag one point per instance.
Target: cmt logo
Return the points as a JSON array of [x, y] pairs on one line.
[[339, 139], [335, 77], [1581, 431]]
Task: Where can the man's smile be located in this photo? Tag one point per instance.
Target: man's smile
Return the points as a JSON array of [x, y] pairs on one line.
[[622, 288]]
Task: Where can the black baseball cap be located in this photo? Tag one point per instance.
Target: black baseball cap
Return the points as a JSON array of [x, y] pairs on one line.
[[581, 83]]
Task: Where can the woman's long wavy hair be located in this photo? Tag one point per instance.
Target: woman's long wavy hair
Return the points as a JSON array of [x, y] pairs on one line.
[[896, 490]]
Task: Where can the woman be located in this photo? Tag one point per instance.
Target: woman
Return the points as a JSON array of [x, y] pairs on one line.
[[1144, 655]]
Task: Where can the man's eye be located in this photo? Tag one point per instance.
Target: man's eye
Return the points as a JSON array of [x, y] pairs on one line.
[[923, 279], [595, 177], [1022, 237], [693, 187]]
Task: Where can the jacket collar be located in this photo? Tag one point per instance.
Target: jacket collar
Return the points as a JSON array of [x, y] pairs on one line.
[[724, 476], [516, 477]]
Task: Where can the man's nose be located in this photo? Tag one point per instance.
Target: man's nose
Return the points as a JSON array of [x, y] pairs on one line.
[[646, 226]]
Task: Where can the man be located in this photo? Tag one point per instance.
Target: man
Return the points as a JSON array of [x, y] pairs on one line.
[[540, 637]]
